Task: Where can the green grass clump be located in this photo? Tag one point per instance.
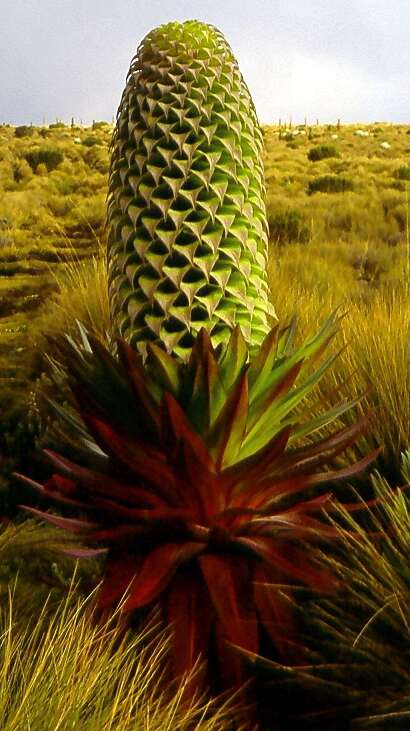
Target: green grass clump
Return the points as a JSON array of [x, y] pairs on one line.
[[329, 184], [288, 226], [24, 131], [47, 156], [91, 140], [403, 172], [321, 152]]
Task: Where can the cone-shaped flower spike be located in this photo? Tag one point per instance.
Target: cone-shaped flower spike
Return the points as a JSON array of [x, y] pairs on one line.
[[187, 241]]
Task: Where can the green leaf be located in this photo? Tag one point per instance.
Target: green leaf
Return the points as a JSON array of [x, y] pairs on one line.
[[324, 419], [266, 422], [233, 358], [270, 366], [206, 392], [164, 369], [225, 438]]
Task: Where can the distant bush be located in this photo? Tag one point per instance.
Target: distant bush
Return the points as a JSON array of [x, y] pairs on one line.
[[21, 171], [321, 152], [24, 131], [287, 226], [57, 125], [97, 158], [329, 184], [50, 157], [90, 141], [402, 173], [99, 125]]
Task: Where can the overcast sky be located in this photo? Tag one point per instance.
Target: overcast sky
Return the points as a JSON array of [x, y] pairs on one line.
[[320, 59]]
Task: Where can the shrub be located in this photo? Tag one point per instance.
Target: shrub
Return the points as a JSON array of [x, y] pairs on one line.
[[21, 171], [287, 226], [97, 158], [329, 184], [402, 173], [50, 157], [24, 131], [321, 152], [91, 140]]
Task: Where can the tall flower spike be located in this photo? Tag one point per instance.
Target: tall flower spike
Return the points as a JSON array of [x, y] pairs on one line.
[[187, 241]]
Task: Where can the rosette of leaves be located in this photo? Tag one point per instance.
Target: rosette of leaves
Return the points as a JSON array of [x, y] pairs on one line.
[[193, 480], [187, 230]]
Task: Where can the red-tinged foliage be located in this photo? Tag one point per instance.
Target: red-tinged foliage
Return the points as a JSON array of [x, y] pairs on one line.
[[189, 518]]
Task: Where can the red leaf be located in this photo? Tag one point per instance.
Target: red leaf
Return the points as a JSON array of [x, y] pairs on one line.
[[120, 572], [83, 552], [275, 613], [141, 514], [158, 569], [190, 617], [118, 533], [197, 485], [102, 483], [303, 460], [70, 524], [229, 585], [290, 561], [321, 446], [137, 377], [260, 495], [297, 525], [44, 493], [147, 463], [353, 469], [175, 428]]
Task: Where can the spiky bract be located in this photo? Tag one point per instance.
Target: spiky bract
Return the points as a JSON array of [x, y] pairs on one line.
[[187, 241]]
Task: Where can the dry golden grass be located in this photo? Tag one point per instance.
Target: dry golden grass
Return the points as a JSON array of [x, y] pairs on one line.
[[312, 281], [82, 295], [59, 671]]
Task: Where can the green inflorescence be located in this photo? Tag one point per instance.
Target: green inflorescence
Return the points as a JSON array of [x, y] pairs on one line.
[[187, 232]]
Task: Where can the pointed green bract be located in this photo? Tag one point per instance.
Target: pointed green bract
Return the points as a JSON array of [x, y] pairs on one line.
[[187, 241]]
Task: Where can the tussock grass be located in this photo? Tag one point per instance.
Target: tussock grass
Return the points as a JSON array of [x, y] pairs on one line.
[[82, 294], [375, 331], [59, 671], [357, 641], [367, 629]]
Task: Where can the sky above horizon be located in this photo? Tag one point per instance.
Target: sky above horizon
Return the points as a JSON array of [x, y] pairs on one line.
[[322, 59]]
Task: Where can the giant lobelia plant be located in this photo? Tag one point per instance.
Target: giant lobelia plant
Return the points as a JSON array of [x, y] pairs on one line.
[[190, 459]]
